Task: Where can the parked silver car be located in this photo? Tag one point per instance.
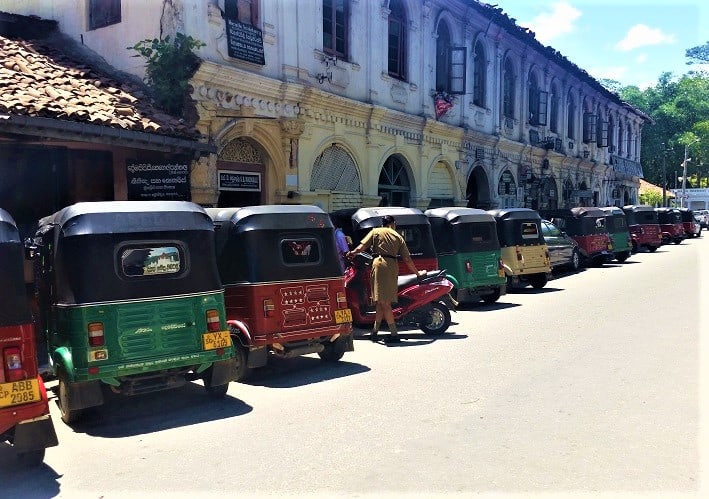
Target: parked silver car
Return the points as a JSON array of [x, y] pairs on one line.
[[563, 251]]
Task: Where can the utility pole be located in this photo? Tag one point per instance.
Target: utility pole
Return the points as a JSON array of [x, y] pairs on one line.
[[664, 175], [684, 172]]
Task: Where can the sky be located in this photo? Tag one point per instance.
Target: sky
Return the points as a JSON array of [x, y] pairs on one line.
[[630, 41]]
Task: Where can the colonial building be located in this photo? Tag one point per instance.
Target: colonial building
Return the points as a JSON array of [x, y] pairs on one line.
[[390, 102]]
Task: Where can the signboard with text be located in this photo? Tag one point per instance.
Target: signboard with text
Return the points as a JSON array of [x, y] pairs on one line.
[[245, 42], [161, 182], [239, 181]]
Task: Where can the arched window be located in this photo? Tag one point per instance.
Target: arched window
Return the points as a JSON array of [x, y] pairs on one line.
[[554, 109], [537, 102], [443, 45], [508, 90], [335, 14], [507, 190], [397, 40], [335, 170], [394, 184], [601, 130], [621, 139], [479, 75], [631, 141], [611, 135], [570, 118]]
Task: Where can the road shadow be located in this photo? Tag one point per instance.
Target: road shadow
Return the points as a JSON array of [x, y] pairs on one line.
[[301, 371], [533, 291], [416, 340], [17, 480], [482, 306], [124, 416]]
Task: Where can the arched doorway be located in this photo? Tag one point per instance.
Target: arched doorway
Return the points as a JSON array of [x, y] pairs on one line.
[[566, 193], [394, 183], [507, 190], [478, 189], [548, 197], [241, 172]]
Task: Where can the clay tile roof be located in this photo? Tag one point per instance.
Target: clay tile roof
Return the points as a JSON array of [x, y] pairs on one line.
[[38, 80]]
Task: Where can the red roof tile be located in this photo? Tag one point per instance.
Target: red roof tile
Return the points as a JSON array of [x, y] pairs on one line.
[[39, 80]]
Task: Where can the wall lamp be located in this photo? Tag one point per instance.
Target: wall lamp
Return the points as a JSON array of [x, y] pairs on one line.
[[324, 76]]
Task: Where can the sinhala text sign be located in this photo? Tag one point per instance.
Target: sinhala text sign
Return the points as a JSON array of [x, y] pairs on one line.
[[161, 182], [239, 181]]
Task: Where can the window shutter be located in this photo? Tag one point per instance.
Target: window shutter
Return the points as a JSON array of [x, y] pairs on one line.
[[589, 127], [542, 105], [457, 70], [603, 139]]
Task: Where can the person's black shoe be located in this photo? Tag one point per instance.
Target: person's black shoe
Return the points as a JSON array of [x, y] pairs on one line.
[[373, 336], [392, 338]]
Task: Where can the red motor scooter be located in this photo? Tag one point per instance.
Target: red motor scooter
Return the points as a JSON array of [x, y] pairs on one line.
[[420, 300]]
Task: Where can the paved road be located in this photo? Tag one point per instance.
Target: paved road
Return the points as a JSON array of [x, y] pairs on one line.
[[590, 385]]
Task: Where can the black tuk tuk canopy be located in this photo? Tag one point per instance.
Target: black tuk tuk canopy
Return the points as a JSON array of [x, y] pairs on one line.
[[640, 214], [462, 230], [580, 221], [90, 246], [668, 216], [411, 223], [518, 226], [686, 215], [274, 243], [615, 219], [14, 307]]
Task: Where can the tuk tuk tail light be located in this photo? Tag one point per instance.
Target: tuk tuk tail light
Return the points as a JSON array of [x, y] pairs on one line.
[[95, 331], [468, 266], [213, 321], [269, 309], [12, 361], [341, 299]]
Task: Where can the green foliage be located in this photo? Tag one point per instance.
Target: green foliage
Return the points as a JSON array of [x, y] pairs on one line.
[[679, 109], [169, 66], [651, 198]]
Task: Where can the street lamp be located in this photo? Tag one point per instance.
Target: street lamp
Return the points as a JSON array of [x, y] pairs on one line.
[[684, 172], [664, 175]]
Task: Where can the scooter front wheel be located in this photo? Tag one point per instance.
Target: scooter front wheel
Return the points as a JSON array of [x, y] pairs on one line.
[[436, 319]]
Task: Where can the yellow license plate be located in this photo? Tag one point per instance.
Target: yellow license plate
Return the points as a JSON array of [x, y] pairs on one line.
[[343, 315], [220, 339], [19, 392]]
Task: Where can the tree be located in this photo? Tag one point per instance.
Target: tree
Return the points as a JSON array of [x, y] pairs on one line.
[[169, 66]]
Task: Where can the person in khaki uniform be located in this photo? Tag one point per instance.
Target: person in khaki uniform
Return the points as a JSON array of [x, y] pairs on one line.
[[386, 244]]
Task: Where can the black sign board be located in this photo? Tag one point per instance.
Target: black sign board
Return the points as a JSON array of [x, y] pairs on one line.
[[239, 181], [169, 182], [245, 42]]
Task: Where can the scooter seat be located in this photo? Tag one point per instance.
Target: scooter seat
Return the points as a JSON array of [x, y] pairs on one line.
[[406, 280]]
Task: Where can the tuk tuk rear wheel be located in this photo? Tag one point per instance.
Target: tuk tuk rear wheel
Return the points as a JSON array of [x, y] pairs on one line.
[[31, 458], [621, 257], [217, 391], [492, 297], [538, 281], [436, 320], [652, 249], [243, 371], [68, 415], [332, 351]]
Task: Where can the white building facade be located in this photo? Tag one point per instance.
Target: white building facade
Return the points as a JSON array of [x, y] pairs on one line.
[[350, 103]]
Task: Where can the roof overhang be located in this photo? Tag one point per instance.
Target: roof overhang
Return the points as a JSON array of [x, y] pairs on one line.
[[49, 128]]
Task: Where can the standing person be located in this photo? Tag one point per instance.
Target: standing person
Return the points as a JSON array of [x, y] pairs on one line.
[[386, 243], [343, 247]]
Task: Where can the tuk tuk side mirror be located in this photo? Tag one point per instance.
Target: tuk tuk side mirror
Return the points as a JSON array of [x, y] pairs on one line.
[[31, 249]]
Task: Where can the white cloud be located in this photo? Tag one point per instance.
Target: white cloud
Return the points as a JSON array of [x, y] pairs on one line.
[[557, 22], [641, 35], [641, 58], [610, 72]]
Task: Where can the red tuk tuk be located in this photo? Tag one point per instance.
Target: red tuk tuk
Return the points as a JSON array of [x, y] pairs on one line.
[[284, 290], [671, 226], [586, 226], [24, 410], [644, 227], [690, 225]]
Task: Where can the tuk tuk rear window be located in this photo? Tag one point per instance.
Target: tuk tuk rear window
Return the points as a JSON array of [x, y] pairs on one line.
[[530, 230], [301, 251], [148, 260]]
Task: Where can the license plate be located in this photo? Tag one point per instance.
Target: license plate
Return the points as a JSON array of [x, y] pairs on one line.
[[19, 392], [220, 339], [343, 315]]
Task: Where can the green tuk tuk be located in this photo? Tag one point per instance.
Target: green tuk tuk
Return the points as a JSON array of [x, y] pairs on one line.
[[467, 247], [617, 227], [130, 298]]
